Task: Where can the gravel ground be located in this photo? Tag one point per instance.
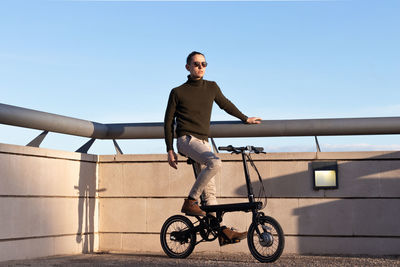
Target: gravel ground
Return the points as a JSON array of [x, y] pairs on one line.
[[201, 259]]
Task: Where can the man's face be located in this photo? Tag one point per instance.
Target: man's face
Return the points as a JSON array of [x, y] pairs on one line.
[[197, 67]]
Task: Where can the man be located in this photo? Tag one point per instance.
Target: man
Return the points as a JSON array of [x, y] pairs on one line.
[[190, 105]]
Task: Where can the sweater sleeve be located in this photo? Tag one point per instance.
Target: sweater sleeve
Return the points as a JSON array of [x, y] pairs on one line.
[[227, 105], [169, 120]]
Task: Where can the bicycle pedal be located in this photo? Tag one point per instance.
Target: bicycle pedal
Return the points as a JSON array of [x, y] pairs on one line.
[[194, 215], [225, 241]]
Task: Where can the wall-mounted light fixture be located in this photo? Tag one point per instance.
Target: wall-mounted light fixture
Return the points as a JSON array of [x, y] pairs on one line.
[[325, 175]]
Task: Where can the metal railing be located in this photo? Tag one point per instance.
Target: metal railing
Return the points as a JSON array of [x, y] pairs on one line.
[[48, 122]]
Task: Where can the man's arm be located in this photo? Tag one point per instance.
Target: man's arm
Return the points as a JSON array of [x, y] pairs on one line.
[[169, 130], [227, 105], [169, 121], [230, 108]]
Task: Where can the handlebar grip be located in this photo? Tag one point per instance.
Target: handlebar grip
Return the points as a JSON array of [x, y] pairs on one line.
[[258, 149], [227, 148]]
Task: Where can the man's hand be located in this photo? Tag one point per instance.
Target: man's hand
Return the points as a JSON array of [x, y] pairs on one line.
[[172, 159], [253, 120]]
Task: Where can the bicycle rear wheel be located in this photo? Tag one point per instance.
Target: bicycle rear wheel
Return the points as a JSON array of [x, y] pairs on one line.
[[268, 245], [177, 237]]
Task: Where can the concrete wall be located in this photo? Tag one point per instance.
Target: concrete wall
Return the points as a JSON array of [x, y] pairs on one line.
[[47, 202], [139, 192], [54, 202]]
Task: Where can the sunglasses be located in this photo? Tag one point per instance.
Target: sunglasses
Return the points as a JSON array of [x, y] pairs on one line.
[[203, 64]]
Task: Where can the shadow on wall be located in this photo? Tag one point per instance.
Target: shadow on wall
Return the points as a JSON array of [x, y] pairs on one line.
[[86, 206], [363, 206]]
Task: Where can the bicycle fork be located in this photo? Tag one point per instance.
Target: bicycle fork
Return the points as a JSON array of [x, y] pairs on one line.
[[265, 237]]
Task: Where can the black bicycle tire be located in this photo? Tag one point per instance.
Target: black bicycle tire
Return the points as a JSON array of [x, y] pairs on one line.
[[163, 237], [280, 235]]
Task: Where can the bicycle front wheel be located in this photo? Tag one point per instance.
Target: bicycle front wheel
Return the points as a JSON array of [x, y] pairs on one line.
[[266, 239], [177, 237]]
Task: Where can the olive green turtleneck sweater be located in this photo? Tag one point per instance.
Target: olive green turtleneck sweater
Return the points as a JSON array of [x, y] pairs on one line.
[[191, 105]]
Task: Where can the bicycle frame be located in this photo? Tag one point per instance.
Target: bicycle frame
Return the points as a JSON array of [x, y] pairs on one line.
[[252, 205]]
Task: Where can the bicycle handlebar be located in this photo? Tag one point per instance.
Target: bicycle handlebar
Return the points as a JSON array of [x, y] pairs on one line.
[[238, 150]]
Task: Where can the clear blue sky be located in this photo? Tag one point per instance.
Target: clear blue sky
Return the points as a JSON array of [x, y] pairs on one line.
[[116, 61]]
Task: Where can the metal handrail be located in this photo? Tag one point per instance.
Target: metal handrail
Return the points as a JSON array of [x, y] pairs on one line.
[[48, 122], [28, 118]]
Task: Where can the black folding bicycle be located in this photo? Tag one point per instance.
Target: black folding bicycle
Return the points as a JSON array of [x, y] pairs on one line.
[[265, 236]]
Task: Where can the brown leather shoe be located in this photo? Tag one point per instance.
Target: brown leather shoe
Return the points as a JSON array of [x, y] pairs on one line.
[[230, 236], [190, 207]]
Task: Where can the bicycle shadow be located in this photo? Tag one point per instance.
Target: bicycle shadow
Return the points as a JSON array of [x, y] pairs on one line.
[[316, 214]]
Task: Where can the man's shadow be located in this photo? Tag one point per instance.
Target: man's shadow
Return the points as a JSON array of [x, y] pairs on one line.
[[86, 205]]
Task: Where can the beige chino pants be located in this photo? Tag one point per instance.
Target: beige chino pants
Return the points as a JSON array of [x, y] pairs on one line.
[[201, 152]]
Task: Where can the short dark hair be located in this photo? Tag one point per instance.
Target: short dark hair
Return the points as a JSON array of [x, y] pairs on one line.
[[189, 57]]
